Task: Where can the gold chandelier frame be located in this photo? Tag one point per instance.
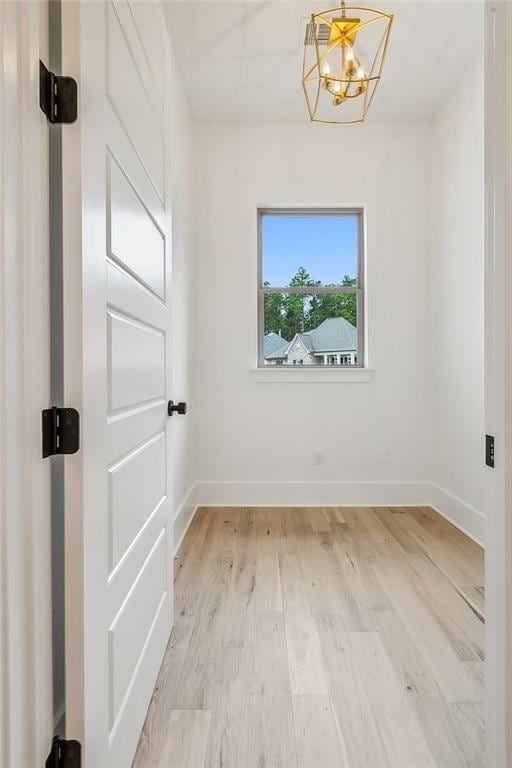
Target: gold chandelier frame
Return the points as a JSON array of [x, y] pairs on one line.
[[313, 73]]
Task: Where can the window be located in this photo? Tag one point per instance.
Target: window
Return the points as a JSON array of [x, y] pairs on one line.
[[310, 290]]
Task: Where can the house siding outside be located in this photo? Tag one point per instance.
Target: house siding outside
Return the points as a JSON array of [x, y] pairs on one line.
[[298, 352]]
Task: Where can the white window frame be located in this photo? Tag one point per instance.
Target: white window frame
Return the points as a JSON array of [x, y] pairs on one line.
[[359, 289]]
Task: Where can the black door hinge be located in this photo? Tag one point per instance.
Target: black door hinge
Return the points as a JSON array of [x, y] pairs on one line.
[[64, 754], [489, 451], [58, 96], [61, 431]]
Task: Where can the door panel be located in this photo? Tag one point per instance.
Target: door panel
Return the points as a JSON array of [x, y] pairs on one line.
[[136, 361], [128, 295], [145, 24], [143, 607], [135, 427], [145, 44], [132, 503], [127, 92], [134, 234], [120, 580], [122, 288]]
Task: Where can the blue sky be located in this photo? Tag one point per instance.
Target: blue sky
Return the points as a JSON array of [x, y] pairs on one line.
[[325, 245]]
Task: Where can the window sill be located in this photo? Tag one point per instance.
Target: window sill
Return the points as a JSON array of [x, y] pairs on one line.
[[281, 375]]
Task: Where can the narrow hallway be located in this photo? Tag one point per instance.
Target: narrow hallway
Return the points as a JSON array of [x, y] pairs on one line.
[[321, 637]]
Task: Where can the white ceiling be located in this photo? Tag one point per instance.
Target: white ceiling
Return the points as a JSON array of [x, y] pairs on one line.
[[243, 60]]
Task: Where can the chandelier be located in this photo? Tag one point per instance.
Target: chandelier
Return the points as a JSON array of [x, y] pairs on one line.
[[344, 52]]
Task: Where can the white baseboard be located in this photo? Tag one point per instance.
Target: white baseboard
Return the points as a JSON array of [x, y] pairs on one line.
[[183, 518], [468, 519], [213, 493], [309, 494]]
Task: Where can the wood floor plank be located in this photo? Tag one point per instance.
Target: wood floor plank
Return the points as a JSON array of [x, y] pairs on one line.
[[361, 736], [302, 641], [445, 531], [170, 677], [318, 519], [476, 670], [453, 559], [475, 597], [357, 521], [469, 724], [335, 514], [232, 715], [403, 738], [188, 598], [182, 745], [401, 584], [433, 713], [273, 736], [198, 674], [389, 518], [284, 520], [225, 529], [353, 566], [318, 572], [380, 534], [268, 595], [346, 579], [196, 548], [461, 624], [317, 738], [239, 613]]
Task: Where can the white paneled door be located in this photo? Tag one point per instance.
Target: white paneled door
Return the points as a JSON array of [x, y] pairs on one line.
[[117, 273]]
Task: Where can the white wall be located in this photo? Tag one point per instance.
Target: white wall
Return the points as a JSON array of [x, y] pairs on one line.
[[254, 432], [423, 188], [183, 302], [456, 313]]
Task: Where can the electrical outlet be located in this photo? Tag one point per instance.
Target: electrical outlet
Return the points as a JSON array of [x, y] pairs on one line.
[[383, 457], [318, 458]]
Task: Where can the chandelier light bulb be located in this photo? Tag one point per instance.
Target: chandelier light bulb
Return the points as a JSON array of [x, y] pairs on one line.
[[326, 68], [350, 55], [360, 73], [336, 86]]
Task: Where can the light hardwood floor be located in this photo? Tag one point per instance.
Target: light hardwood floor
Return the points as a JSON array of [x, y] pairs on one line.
[[314, 638]]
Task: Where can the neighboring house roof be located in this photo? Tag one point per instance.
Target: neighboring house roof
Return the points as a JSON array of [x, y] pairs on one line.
[[274, 346], [333, 335]]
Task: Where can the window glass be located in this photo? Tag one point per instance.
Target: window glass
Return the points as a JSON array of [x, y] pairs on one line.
[[310, 329], [310, 288], [309, 250]]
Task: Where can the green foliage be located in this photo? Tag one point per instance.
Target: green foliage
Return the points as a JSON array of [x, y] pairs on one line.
[[273, 312], [291, 313]]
